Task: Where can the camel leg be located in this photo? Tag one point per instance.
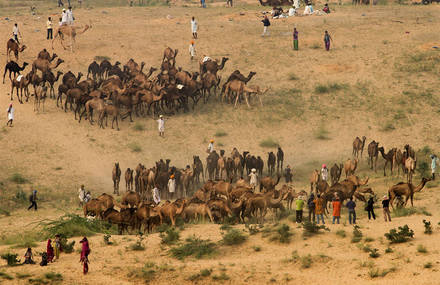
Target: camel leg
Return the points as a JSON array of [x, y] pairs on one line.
[[236, 100], [246, 98]]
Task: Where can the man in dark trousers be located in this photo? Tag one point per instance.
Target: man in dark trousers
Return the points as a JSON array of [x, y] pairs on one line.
[[266, 24], [311, 206], [33, 200]]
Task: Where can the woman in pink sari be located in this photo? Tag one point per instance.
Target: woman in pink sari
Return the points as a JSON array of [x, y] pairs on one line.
[[84, 255], [49, 251]]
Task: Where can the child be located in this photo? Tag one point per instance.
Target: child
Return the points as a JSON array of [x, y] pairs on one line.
[[192, 50], [161, 126], [49, 28], [43, 259], [10, 112], [57, 247], [28, 257]]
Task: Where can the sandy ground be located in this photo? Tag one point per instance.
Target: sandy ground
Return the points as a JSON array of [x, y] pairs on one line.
[[57, 154]]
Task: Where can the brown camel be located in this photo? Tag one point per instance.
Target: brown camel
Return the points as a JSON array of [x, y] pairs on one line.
[[389, 158], [111, 109], [123, 219], [212, 66], [196, 210], [95, 207], [131, 199], [171, 210], [209, 81], [314, 178], [410, 166], [358, 146], [13, 46], [373, 153], [254, 90], [45, 65], [50, 78], [350, 167], [335, 173], [170, 55], [129, 179], [116, 177], [44, 54], [407, 190], [235, 76], [40, 97], [69, 33], [260, 203], [268, 183], [22, 85]]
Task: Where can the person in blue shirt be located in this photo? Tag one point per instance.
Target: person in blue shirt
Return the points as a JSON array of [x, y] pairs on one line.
[[351, 205]]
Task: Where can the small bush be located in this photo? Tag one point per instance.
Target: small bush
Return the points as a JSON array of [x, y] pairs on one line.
[[221, 277], [322, 133], [170, 236], [147, 272], [234, 237], [68, 247], [341, 233], [138, 127], [368, 239], [107, 239], [373, 272], [428, 227], [18, 178], [256, 248], [138, 245], [421, 249], [357, 234], [6, 276], [100, 58], [220, 133], [404, 212], [252, 229], [311, 228], [306, 261], [11, 259], [388, 250], [205, 272], [282, 234], [193, 246], [20, 196], [292, 76], [315, 46], [427, 265], [333, 87], [423, 168], [53, 276], [22, 275], [134, 147], [388, 127], [269, 143], [403, 234], [374, 253]]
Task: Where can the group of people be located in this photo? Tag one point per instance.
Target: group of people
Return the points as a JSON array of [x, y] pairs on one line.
[[52, 253]]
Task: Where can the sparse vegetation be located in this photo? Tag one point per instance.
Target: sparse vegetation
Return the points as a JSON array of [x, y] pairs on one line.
[[139, 126], [68, 247], [107, 239], [52, 276], [421, 249], [269, 143], [256, 248], [329, 88], [311, 228], [388, 127], [193, 246], [138, 245], [322, 133], [428, 227], [427, 265], [388, 250], [280, 233], [357, 234], [233, 237], [292, 76], [220, 133], [403, 234], [18, 178], [6, 276], [134, 147], [100, 58], [374, 253], [221, 277], [11, 259], [306, 261], [170, 236], [341, 233]]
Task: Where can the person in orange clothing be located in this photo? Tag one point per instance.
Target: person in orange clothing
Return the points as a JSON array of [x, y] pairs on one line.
[[336, 210], [319, 209]]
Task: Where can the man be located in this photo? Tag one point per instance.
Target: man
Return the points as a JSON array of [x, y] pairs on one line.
[[292, 11], [288, 174], [10, 112], [82, 195], [299, 209], [266, 24], [202, 3], [324, 172], [64, 17], [351, 205], [192, 50], [60, 3], [171, 186], [386, 208], [211, 146], [311, 206], [319, 209], [434, 160], [49, 28], [156, 194], [16, 33], [295, 39], [70, 17], [33, 200], [336, 210], [194, 27], [253, 178], [327, 39], [229, 3], [161, 126]]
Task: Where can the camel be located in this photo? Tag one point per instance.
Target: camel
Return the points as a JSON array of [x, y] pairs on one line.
[[389, 158], [410, 165], [211, 165], [111, 110], [170, 55], [268, 183], [407, 190], [236, 85], [13, 67], [344, 189], [221, 167], [13, 46], [45, 65], [335, 173], [129, 180], [44, 54], [197, 168], [358, 146], [171, 210], [69, 32], [95, 207], [194, 210], [131, 199], [260, 203], [254, 90], [209, 81], [94, 70], [212, 66], [40, 97], [124, 218], [350, 167], [236, 75], [280, 159], [271, 161], [50, 78], [22, 85], [373, 153], [221, 206], [314, 178], [116, 177]]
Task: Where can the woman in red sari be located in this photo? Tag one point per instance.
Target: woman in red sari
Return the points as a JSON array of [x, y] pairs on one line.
[[85, 255], [49, 251]]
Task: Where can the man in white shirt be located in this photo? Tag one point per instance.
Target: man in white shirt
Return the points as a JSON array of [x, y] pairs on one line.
[[194, 27], [64, 17], [49, 28], [192, 50], [253, 178], [16, 32], [69, 16], [171, 186], [156, 195], [10, 112], [211, 146], [81, 195], [161, 126]]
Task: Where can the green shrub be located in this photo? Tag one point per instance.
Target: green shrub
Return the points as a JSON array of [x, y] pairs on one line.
[[220, 133], [428, 227], [403, 234], [6, 276], [388, 127], [332, 87], [18, 178], [311, 228], [146, 273], [322, 133], [341, 233], [357, 234], [427, 265], [423, 168], [221, 277], [374, 253], [134, 147], [20, 196], [306, 261], [421, 249], [368, 239], [269, 143], [138, 245], [292, 76], [193, 246], [205, 272], [139, 126], [388, 250], [11, 259], [256, 248], [53, 276], [252, 229], [107, 239], [281, 234], [22, 275], [170, 236], [68, 247], [234, 237]]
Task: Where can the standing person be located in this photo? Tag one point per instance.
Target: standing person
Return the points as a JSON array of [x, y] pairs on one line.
[[28, 257], [64, 17], [434, 160], [60, 3], [88, 197], [171, 186], [324, 172], [57, 247], [386, 208], [161, 126], [296, 4], [33, 200], [288, 174], [192, 50], [49, 251], [210, 146], [49, 28], [82, 195], [16, 33], [311, 206], [68, 3], [85, 251], [253, 180], [327, 39], [336, 210], [202, 3], [295, 39], [194, 26], [80, 3], [319, 209], [266, 24], [70, 17], [370, 209], [326, 9], [229, 3], [351, 205], [10, 112], [156, 194], [299, 209]]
